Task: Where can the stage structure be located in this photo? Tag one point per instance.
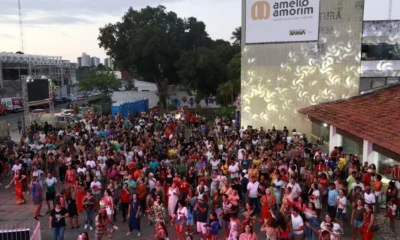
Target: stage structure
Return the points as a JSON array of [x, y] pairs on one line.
[[13, 66], [36, 91]]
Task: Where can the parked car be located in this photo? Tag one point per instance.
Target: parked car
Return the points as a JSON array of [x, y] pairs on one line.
[[13, 104], [58, 121], [58, 100], [66, 99], [67, 112], [37, 112]]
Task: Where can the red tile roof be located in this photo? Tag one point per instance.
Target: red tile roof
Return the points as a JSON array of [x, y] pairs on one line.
[[374, 116]]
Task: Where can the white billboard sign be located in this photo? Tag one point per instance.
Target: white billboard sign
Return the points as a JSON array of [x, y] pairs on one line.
[[282, 21], [381, 10]]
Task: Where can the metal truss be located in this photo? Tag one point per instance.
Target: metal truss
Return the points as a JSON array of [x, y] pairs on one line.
[[28, 104], [33, 59]]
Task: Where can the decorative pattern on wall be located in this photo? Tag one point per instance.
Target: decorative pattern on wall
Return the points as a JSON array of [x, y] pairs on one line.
[[279, 79]]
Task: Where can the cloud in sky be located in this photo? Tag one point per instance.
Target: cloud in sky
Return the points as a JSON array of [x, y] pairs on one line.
[[89, 7], [6, 35], [42, 19], [69, 27]]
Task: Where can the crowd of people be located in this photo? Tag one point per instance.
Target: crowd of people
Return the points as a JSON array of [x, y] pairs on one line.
[[204, 179]]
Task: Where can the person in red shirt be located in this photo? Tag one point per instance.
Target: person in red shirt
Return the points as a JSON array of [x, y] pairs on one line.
[[177, 180], [184, 188], [320, 167], [366, 179], [168, 132], [125, 197]]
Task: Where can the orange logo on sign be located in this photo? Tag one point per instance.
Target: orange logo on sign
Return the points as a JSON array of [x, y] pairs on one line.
[[260, 10]]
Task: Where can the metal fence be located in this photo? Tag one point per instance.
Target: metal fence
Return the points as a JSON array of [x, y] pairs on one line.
[[20, 231]]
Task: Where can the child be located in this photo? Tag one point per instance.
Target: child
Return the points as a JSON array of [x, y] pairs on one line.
[[392, 209], [189, 220], [213, 227]]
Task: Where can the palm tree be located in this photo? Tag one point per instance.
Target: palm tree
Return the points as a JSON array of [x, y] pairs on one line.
[[237, 36]]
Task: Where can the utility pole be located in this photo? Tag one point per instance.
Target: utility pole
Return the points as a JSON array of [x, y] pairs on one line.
[[21, 28]]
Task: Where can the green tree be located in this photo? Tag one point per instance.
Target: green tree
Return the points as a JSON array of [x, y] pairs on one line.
[[104, 81], [237, 36], [201, 69], [150, 42], [101, 67]]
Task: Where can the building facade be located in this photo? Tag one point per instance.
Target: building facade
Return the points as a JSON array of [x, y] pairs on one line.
[[280, 78], [13, 66], [95, 61], [108, 62], [86, 60]]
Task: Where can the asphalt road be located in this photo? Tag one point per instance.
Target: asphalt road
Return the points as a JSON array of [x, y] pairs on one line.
[[12, 118]]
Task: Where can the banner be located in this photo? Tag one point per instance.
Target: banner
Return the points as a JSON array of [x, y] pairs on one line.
[[36, 235], [282, 21]]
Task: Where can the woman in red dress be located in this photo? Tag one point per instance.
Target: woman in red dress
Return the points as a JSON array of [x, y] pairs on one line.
[[17, 180], [368, 224], [267, 202], [70, 177], [80, 193]]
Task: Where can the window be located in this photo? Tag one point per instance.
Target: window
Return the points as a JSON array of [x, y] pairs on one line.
[[60, 119], [9, 103], [391, 80], [378, 82], [371, 83], [380, 52], [385, 165]]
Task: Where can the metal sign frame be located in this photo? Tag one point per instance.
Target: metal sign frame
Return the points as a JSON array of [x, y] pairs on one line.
[[25, 99]]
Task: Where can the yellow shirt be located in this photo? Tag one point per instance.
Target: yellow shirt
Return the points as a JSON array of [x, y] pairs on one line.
[[257, 162], [342, 162], [224, 169]]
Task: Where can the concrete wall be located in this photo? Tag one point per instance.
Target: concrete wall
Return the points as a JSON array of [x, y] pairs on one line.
[[180, 98], [280, 78]]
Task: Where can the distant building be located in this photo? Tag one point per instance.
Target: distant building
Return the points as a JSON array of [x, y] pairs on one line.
[[95, 61], [108, 62], [79, 61], [86, 60]]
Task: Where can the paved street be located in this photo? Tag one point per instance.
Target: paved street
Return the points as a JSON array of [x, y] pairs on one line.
[[20, 216], [13, 117]]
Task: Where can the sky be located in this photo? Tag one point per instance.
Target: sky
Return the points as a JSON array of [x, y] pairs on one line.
[[67, 28]]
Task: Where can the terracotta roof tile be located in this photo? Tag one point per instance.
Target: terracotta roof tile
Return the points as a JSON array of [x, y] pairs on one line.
[[374, 116]]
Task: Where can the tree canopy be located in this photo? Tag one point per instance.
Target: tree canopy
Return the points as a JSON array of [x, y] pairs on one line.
[[104, 81], [163, 48]]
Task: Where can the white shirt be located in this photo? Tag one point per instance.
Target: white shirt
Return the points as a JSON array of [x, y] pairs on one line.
[[16, 167], [37, 173], [297, 222], [235, 169], [397, 185], [50, 181], [104, 158], [81, 170], [98, 185], [278, 184], [102, 167], [215, 163], [369, 198], [91, 163], [296, 189], [252, 189], [240, 154], [181, 213], [361, 185], [342, 203]]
